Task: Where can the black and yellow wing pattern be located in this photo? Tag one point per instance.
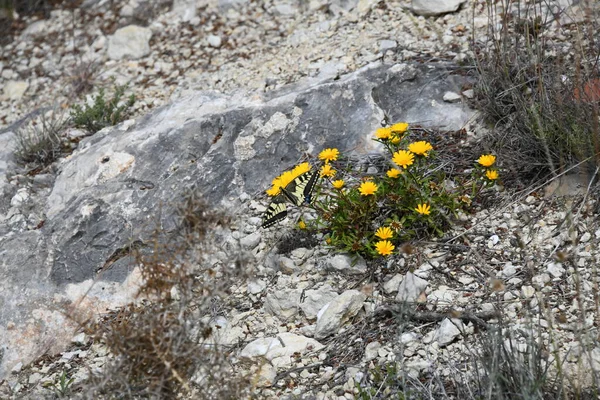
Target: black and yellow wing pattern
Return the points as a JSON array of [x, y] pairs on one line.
[[297, 192]]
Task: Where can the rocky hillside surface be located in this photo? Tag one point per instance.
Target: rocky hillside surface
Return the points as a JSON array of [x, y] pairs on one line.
[[229, 93]]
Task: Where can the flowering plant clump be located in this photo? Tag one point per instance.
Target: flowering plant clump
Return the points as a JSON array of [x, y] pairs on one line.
[[374, 214]]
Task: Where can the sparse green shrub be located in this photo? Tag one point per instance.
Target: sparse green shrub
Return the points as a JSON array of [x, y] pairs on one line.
[[371, 215], [102, 113], [39, 143], [61, 386]]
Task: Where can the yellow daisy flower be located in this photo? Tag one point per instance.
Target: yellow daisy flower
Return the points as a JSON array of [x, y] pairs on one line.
[[301, 224], [326, 170], [491, 174], [396, 139], [423, 209], [338, 184], [400, 127], [393, 173], [383, 133], [301, 168], [329, 155], [487, 160], [384, 233], [384, 247], [403, 158], [421, 148], [367, 188]]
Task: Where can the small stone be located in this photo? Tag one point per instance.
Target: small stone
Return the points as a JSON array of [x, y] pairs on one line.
[[256, 286], [393, 284], [371, 351], [14, 90], [283, 304], [131, 42], [79, 339], [346, 263], [448, 331], [527, 291], [452, 97], [17, 368], [214, 41], [411, 288], [435, 7], [585, 237], [469, 93], [251, 241], [387, 45], [337, 312], [266, 375], [555, 269], [316, 299], [34, 378]]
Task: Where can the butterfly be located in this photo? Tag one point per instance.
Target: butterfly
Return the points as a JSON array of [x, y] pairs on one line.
[[297, 192]]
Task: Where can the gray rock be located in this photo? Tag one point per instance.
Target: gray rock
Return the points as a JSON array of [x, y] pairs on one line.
[[387, 45], [337, 312], [448, 331], [283, 345], [214, 41], [372, 351], [35, 29], [251, 241], [256, 286], [314, 300], [346, 263], [452, 97], [118, 179], [555, 269], [435, 7], [411, 288], [185, 9], [14, 90], [283, 303], [393, 284], [130, 42]]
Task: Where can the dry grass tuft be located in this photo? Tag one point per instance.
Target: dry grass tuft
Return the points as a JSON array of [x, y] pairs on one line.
[[162, 345], [535, 89]]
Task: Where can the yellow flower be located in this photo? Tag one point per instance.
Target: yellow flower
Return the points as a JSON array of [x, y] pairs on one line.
[[491, 174], [274, 191], [338, 184], [301, 224], [487, 160], [384, 233], [301, 168], [367, 188], [400, 127], [394, 173], [384, 247], [403, 158], [421, 148], [383, 133], [395, 139], [326, 170], [424, 209], [329, 155]]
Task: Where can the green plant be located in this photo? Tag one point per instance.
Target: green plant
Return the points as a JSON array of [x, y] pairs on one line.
[[39, 143], [102, 113], [372, 214], [61, 386]]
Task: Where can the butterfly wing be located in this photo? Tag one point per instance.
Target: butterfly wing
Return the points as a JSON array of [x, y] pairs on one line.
[[297, 192], [300, 190], [276, 211]]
